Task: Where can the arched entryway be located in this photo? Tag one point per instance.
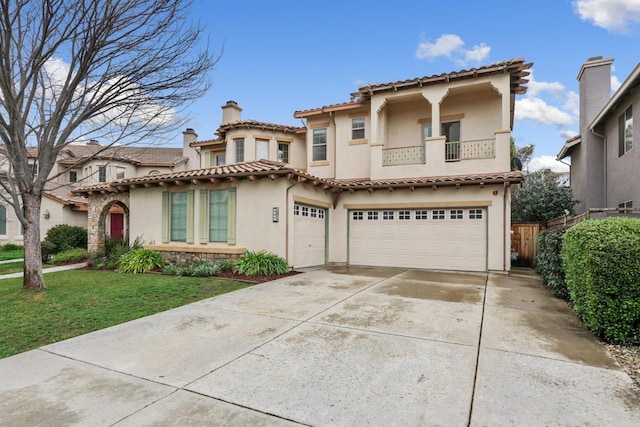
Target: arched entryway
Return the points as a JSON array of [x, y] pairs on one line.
[[108, 216]]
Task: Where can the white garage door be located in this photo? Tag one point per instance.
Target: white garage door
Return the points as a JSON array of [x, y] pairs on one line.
[[309, 235], [447, 239]]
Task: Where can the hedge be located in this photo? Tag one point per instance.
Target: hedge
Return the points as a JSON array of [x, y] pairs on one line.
[[601, 260], [549, 262]]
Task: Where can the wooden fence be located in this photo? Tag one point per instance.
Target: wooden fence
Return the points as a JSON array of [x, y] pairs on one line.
[[524, 237], [524, 244]]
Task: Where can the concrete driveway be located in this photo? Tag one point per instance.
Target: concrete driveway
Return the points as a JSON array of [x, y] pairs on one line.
[[340, 346]]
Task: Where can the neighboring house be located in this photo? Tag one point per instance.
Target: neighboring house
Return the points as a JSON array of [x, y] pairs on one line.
[[604, 163], [80, 164], [413, 173]]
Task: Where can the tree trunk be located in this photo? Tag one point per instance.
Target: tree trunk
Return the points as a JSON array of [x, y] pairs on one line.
[[33, 279]]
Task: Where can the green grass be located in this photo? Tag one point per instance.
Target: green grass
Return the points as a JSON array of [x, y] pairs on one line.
[[4, 256], [81, 301]]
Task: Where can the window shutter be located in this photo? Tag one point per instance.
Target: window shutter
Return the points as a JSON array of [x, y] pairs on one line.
[[204, 217], [190, 197], [165, 217], [231, 216]]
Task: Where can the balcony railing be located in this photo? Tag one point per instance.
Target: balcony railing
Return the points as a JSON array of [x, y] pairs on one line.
[[466, 150], [403, 156]]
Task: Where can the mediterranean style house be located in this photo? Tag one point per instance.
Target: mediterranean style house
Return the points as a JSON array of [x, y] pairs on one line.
[[412, 173], [82, 164], [604, 165]]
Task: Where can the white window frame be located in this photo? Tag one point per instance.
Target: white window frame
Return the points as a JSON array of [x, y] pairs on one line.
[[357, 128], [319, 142], [238, 145]]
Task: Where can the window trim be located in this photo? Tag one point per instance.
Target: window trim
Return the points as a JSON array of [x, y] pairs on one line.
[[625, 144], [238, 146], [281, 145], [358, 132], [319, 143]]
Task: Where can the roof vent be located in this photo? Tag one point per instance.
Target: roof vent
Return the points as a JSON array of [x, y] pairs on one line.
[[93, 142], [594, 58]]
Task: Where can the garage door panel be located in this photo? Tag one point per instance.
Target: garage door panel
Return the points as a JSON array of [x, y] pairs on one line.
[[456, 242], [309, 243]]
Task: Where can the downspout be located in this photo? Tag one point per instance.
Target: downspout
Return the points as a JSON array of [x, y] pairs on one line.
[[286, 228], [604, 142], [335, 142], [504, 227]]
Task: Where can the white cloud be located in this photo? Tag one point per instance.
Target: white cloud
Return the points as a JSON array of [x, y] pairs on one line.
[[568, 134], [613, 15], [539, 111], [615, 83], [537, 105], [452, 46], [547, 162]]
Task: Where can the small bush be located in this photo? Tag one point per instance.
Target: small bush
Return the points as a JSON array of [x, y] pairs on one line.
[[601, 260], [72, 255], [63, 237], [195, 269], [140, 261], [550, 262], [10, 247], [47, 250], [261, 263]]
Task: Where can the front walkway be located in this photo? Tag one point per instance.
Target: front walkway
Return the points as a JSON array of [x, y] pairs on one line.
[[342, 346]]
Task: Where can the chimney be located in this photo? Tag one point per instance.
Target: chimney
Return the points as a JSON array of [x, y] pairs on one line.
[[595, 88], [189, 136], [231, 112]]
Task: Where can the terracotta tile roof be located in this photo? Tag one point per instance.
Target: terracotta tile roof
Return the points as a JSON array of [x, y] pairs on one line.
[[517, 68], [361, 184], [150, 156], [63, 193], [274, 170], [254, 124]]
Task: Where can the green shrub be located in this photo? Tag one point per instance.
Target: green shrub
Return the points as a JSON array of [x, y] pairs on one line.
[[140, 261], [72, 255], [261, 263], [10, 247], [113, 249], [550, 263], [196, 269], [47, 250], [601, 260], [63, 237]]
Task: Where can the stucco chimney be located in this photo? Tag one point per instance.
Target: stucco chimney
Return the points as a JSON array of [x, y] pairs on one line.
[[231, 112], [595, 88], [190, 136]]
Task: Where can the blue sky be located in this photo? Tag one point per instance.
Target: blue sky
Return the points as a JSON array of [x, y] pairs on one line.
[[283, 56]]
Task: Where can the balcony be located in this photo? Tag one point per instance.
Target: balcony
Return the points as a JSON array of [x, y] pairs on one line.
[[467, 150], [453, 152], [413, 155]]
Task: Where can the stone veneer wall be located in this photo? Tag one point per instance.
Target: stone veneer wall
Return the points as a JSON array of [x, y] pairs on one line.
[[184, 255], [96, 216]]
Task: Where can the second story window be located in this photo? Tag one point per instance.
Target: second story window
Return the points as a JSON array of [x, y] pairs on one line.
[[262, 149], [283, 152], [626, 132], [357, 128], [239, 145], [319, 144], [219, 159], [73, 176], [102, 174]]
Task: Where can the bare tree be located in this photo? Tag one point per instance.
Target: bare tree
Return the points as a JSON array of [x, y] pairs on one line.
[[120, 71]]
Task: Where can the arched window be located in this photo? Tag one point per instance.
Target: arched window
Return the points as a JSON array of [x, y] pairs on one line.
[[3, 219]]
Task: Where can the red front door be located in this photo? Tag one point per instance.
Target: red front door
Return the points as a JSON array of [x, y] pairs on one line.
[[117, 225]]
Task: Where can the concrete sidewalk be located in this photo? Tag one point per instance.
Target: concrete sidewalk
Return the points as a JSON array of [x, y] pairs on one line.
[[44, 271], [341, 346]]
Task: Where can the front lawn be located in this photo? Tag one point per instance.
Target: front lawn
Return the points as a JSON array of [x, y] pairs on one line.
[[80, 301], [16, 267], [17, 254]]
